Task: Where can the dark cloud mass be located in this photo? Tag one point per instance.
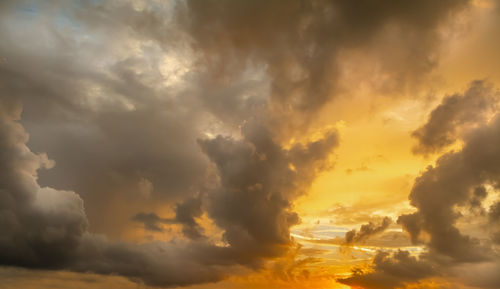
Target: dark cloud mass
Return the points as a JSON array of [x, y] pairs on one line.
[[258, 182], [300, 42], [456, 113], [391, 271], [40, 226], [453, 181], [204, 109], [47, 228], [123, 93]]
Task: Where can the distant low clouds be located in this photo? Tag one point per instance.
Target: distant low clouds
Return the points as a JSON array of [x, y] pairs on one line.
[[391, 271], [366, 231]]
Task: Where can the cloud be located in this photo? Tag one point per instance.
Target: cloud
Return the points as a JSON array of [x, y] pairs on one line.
[[391, 271], [456, 113], [458, 178], [124, 91], [151, 221], [301, 48], [451, 182], [47, 228], [122, 97], [494, 212], [40, 226], [366, 231], [185, 214], [259, 180]]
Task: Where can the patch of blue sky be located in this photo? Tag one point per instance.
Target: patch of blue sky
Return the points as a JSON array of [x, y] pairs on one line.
[[63, 17], [28, 7]]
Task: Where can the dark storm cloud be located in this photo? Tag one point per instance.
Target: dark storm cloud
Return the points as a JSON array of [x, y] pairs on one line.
[[451, 182], [366, 231], [94, 82], [457, 178], [391, 271], [39, 226], [456, 113], [259, 180], [299, 42], [89, 77], [115, 131], [47, 228]]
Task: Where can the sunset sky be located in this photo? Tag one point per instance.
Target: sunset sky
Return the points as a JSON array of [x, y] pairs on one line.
[[249, 144]]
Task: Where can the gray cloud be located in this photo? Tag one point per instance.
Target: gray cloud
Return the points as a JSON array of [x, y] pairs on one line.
[[124, 132], [391, 271], [366, 231], [95, 98], [455, 114], [299, 43], [109, 125], [258, 182], [47, 228], [494, 212], [151, 221], [494, 218], [453, 181], [39, 226], [457, 179]]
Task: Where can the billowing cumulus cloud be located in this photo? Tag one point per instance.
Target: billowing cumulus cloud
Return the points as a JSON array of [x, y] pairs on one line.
[[453, 181], [40, 226], [47, 228], [456, 114], [258, 182], [209, 116], [458, 179], [300, 43], [131, 87]]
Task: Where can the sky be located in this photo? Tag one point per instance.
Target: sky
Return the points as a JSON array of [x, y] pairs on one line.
[[241, 144]]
